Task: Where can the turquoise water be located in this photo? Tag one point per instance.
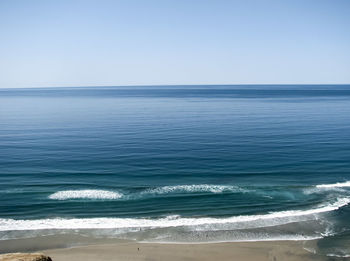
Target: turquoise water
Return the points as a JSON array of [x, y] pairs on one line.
[[177, 163]]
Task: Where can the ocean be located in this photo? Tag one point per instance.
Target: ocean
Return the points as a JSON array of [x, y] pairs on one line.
[[182, 164]]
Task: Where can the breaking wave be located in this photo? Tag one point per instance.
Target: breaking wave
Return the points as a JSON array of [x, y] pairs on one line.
[[335, 185], [270, 219], [109, 195], [193, 189], [85, 194]]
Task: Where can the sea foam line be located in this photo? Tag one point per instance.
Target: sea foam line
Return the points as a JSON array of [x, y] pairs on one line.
[[170, 221], [193, 189], [85, 194], [105, 194], [335, 185]]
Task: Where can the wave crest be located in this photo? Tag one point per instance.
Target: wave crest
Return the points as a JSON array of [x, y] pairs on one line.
[[270, 219], [335, 185], [105, 194], [85, 194], [193, 189]]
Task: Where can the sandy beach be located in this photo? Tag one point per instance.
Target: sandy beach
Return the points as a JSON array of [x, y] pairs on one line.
[[254, 251]]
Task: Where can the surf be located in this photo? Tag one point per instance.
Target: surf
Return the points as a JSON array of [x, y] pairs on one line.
[[335, 185], [97, 194], [85, 194], [273, 218], [201, 188]]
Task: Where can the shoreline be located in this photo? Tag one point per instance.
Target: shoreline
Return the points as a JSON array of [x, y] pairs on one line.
[[68, 247]]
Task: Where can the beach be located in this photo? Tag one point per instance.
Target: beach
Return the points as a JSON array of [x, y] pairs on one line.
[[64, 247], [75, 247], [254, 251]]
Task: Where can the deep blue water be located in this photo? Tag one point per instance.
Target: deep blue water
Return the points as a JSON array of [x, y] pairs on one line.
[[177, 163]]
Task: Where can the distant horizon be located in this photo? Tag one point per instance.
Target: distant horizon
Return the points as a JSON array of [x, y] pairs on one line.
[[171, 85], [174, 85]]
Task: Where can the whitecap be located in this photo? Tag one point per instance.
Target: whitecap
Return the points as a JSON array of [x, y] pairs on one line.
[[281, 217], [335, 185], [85, 194], [201, 188]]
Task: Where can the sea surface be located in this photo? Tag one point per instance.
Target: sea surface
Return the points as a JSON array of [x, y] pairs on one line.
[[178, 163]]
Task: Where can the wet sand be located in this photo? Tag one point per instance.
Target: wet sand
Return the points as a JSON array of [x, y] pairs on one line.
[[247, 251]]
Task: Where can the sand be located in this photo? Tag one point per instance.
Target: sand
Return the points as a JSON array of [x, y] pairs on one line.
[[81, 248], [249, 251]]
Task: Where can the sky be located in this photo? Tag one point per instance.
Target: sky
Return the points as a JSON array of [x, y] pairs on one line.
[[99, 42]]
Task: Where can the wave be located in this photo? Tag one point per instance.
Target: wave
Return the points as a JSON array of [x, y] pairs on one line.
[[339, 187], [193, 189], [337, 255], [335, 185], [85, 194], [181, 189], [270, 219], [105, 194]]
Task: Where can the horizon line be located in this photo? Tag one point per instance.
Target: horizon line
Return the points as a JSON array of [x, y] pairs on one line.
[[169, 85]]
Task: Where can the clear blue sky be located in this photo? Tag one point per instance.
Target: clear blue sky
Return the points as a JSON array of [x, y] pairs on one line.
[[79, 43]]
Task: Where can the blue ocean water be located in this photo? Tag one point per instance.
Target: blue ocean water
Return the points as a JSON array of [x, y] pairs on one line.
[[177, 163]]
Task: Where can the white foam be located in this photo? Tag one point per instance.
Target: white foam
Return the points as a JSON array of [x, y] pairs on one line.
[[335, 255], [194, 189], [335, 185], [264, 238], [105, 194], [171, 221], [85, 194]]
